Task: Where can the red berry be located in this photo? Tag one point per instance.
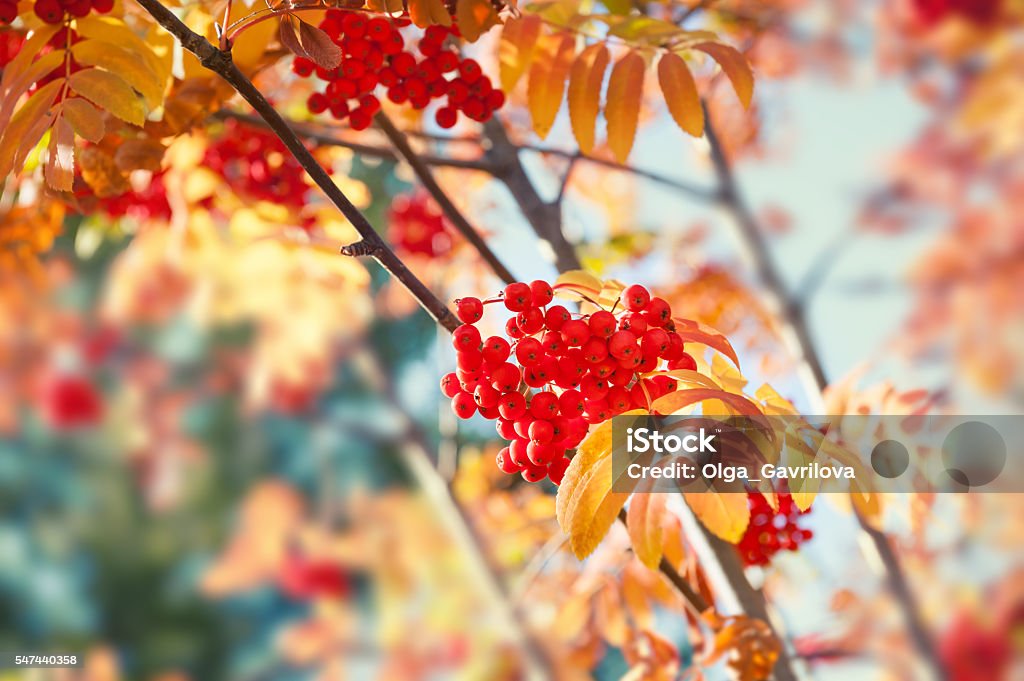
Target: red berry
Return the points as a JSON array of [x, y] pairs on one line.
[[556, 469], [635, 298], [593, 388], [446, 117], [622, 344], [512, 405], [463, 405], [49, 11], [633, 321], [403, 63], [506, 377], [103, 6], [570, 403], [684, 362], [512, 329], [496, 350], [505, 462], [541, 292], [658, 312], [602, 323], [470, 70], [517, 452], [544, 405], [575, 332], [447, 62], [541, 431], [469, 310], [655, 341], [316, 103], [552, 342], [595, 350], [506, 429], [470, 360], [378, 29], [450, 384], [486, 396], [556, 317], [540, 454], [466, 337], [529, 351], [8, 13], [354, 24], [530, 320], [534, 473], [517, 297], [360, 119]]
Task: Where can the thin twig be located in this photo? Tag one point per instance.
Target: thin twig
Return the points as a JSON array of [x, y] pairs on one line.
[[803, 348], [221, 63], [455, 216]]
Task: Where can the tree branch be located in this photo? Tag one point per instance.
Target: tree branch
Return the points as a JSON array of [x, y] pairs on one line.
[[545, 218], [426, 178], [802, 347], [220, 63]]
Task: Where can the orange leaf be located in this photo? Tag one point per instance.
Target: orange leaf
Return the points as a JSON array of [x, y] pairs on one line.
[[109, 92], [680, 91], [475, 17], [516, 50], [643, 519], [735, 66], [622, 110], [585, 81], [85, 118], [695, 332], [675, 401], [27, 127], [59, 171], [726, 515], [429, 12], [547, 80]]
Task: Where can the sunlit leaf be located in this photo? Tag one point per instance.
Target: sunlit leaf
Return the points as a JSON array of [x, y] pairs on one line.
[[59, 171], [475, 17], [725, 514], [622, 109], [123, 63], [517, 48], [85, 119], [26, 128], [680, 91], [735, 67], [548, 72], [110, 93], [644, 521], [585, 80]]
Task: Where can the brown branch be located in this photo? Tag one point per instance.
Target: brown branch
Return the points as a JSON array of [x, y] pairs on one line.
[[426, 178], [220, 63], [544, 217], [802, 347]]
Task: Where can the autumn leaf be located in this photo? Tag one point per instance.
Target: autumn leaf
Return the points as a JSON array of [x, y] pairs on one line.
[[124, 64], [725, 514], [735, 67], [17, 83], [475, 17], [425, 13], [579, 281], [110, 93], [680, 399], [85, 119], [546, 86], [306, 40], [516, 49], [26, 128], [644, 522], [680, 92], [622, 110], [585, 80], [695, 332], [114, 31], [59, 171]]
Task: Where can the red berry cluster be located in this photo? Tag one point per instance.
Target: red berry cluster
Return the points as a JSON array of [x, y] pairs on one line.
[[980, 12], [256, 164], [416, 225], [69, 401], [587, 369], [373, 54], [304, 578], [149, 203], [55, 11], [10, 43], [771, 531]]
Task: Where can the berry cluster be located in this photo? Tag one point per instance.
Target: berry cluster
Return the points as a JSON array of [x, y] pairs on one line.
[[55, 11], [586, 369], [981, 12], [257, 165], [373, 53], [771, 531], [416, 225]]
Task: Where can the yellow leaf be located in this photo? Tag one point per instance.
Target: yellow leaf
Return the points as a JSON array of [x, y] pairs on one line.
[[644, 521], [585, 81], [735, 67], [597, 445], [28, 51], [388, 6], [429, 12], [622, 110], [139, 154], [680, 91], [593, 508], [726, 515], [109, 92], [547, 80], [85, 119], [113, 31], [59, 171], [516, 50], [578, 280], [27, 127], [475, 17], [124, 64], [21, 82]]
